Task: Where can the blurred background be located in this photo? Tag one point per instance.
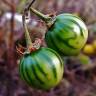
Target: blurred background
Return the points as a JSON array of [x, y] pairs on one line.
[[79, 72]]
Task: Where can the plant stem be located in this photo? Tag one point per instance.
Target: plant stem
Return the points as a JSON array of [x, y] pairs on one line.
[[10, 41], [8, 3], [27, 36], [40, 15], [48, 19]]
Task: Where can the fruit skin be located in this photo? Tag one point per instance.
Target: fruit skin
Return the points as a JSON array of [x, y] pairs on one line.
[[41, 69], [84, 59], [67, 35], [94, 44], [89, 49]]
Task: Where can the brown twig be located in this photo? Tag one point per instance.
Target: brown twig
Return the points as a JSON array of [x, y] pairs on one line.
[[10, 52], [19, 51], [86, 67], [89, 67], [11, 61], [7, 3]]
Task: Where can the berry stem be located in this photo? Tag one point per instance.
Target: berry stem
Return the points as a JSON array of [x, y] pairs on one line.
[[27, 36], [46, 18], [40, 15]]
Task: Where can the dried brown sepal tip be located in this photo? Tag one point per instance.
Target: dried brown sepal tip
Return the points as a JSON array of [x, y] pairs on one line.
[[36, 45], [52, 14], [52, 20], [19, 51]]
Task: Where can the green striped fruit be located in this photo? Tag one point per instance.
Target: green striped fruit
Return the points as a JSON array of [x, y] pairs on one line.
[[41, 69], [67, 35]]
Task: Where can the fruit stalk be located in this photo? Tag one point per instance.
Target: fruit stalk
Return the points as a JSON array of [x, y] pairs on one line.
[[48, 19], [40, 15], [27, 36]]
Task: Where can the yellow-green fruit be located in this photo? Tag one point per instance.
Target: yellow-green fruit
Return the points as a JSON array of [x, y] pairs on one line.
[[84, 59], [94, 44], [88, 49]]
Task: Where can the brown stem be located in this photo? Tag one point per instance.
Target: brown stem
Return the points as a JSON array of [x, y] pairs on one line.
[[10, 52], [11, 61], [87, 67], [8, 3]]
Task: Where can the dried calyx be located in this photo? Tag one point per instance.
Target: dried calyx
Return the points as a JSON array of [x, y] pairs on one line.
[[48, 19], [30, 46]]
